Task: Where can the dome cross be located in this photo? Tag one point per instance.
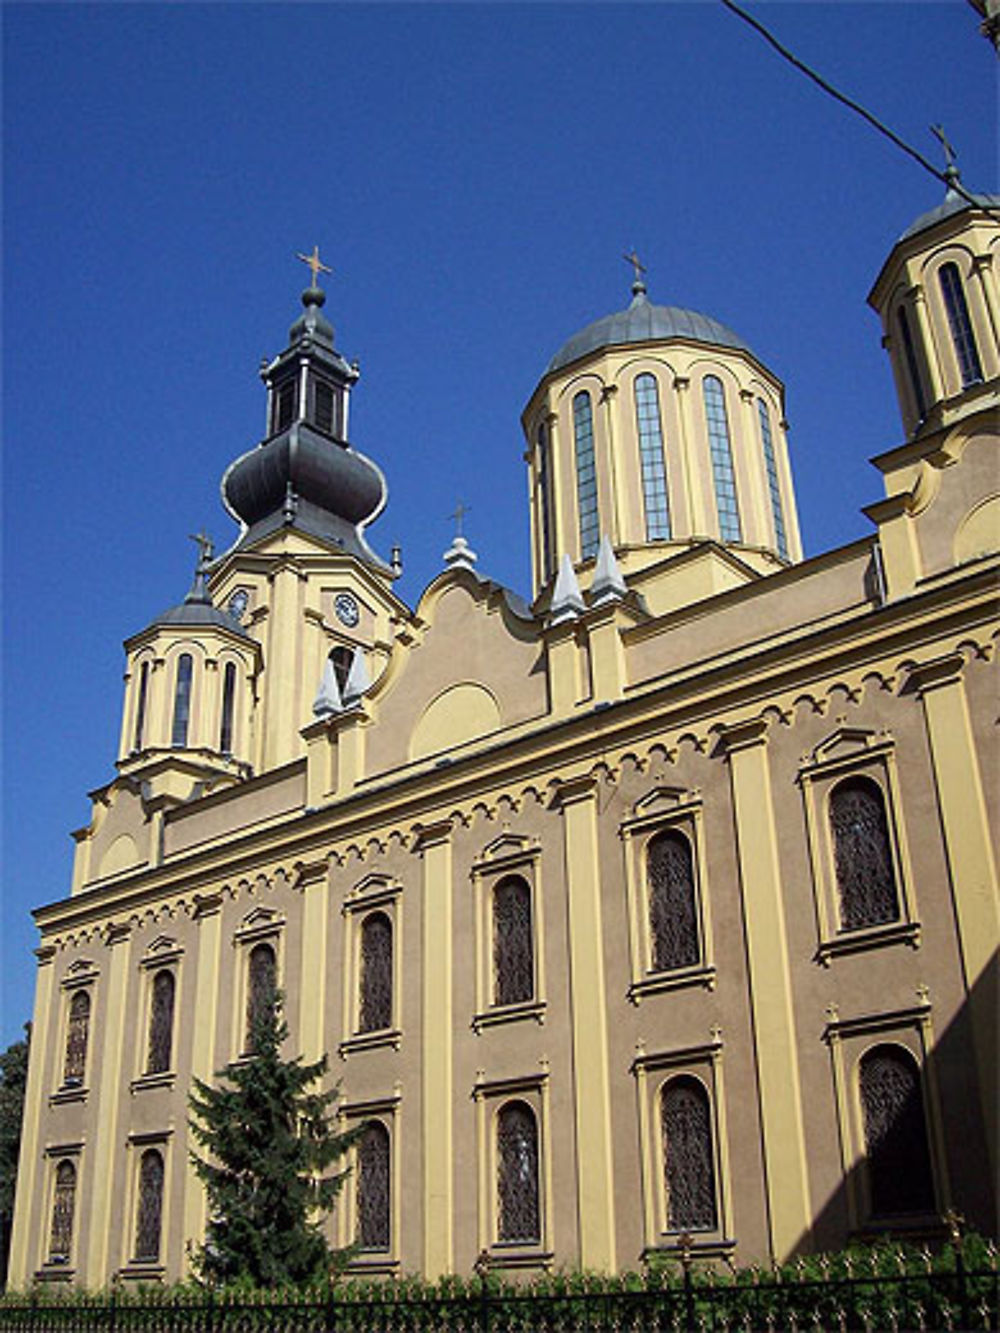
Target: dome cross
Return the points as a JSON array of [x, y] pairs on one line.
[[316, 265]]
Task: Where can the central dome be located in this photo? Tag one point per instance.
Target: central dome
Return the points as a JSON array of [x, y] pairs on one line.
[[644, 322]]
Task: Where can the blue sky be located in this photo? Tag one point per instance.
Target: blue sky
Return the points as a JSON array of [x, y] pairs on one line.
[[472, 173]]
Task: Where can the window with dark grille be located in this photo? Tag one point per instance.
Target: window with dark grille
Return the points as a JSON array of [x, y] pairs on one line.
[[284, 406], [77, 1034], [262, 980], [519, 1217], [651, 458], [586, 475], [182, 700], [323, 406], [228, 702], [899, 1166], [673, 918], [688, 1156], [720, 448], [149, 1213], [140, 708], [161, 1023], [374, 1190], [912, 364], [375, 1008], [63, 1207], [866, 882], [513, 946], [962, 336]]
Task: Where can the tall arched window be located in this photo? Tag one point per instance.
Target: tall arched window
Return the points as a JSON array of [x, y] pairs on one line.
[[228, 704], [899, 1164], [688, 1156], [513, 945], [673, 916], [149, 1212], [77, 1034], [912, 364], [161, 1023], [962, 336], [341, 658], [651, 458], [140, 707], [374, 1188], [519, 1215], [182, 700], [375, 1007], [774, 489], [722, 460], [545, 501], [262, 980], [63, 1208], [862, 852], [586, 475]]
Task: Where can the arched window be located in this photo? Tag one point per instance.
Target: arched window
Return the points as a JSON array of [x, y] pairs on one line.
[[673, 917], [912, 364], [374, 1188], [899, 1165], [63, 1208], [586, 475], [517, 1174], [651, 458], [341, 658], [513, 946], [262, 980], [140, 707], [687, 1156], [228, 702], [771, 463], [722, 460], [77, 1034], [962, 336], [545, 501], [182, 700], [161, 1023], [862, 855], [149, 1213], [375, 1008]]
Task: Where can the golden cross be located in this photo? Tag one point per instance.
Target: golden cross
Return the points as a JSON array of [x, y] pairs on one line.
[[633, 259], [460, 512], [315, 264]]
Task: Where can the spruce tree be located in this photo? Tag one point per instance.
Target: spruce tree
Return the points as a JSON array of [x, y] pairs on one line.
[[269, 1143]]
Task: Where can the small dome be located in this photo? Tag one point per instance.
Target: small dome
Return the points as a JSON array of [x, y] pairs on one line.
[[644, 322], [199, 614], [952, 203]]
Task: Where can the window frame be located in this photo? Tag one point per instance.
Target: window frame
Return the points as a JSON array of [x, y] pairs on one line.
[[588, 510], [185, 655], [490, 1097], [388, 1112], [510, 855], [954, 300], [262, 925], [164, 954], [723, 463], [138, 1145], [49, 1268], [81, 975], [376, 892], [652, 451]]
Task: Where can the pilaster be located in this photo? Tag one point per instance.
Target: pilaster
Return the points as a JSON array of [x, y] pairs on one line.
[[315, 887], [898, 539], [208, 914], [30, 1193], [283, 716], [566, 666], [335, 754], [782, 1127], [693, 498], [607, 652]]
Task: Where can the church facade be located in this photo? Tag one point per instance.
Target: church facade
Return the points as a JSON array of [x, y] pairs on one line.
[[659, 911]]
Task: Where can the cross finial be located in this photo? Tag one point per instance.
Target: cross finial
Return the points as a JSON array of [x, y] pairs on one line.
[[638, 267], [206, 547], [316, 265], [458, 515]]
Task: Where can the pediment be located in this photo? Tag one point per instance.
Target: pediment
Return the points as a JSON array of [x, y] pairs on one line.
[[260, 921], [844, 741], [161, 945], [661, 800], [81, 966], [507, 844], [374, 882]]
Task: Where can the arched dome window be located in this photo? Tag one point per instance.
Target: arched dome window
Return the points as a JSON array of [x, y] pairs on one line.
[[774, 489], [182, 700], [228, 703], [723, 475], [899, 1165], [962, 337], [912, 364], [652, 461], [586, 475], [140, 707]]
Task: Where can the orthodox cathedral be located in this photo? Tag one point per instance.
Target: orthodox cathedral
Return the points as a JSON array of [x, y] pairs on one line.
[[657, 912]]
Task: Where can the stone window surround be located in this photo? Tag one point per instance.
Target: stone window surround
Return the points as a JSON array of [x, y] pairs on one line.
[[381, 893], [168, 959], [136, 1145], [260, 926], [490, 1096], [84, 978], [511, 854], [387, 1110], [55, 1153]]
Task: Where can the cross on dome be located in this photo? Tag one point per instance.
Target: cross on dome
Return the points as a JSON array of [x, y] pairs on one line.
[[316, 265]]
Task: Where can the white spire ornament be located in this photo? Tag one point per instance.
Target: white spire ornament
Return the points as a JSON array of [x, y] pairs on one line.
[[567, 599], [608, 584], [358, 679], [328, 701]]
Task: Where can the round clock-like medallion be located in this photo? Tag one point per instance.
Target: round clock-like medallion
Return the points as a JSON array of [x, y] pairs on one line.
[[346, 608], [238, 603]]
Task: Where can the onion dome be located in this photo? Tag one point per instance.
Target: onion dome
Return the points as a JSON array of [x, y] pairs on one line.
[[644, 322]]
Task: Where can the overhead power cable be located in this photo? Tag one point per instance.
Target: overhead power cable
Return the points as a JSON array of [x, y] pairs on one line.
[[948, 177]]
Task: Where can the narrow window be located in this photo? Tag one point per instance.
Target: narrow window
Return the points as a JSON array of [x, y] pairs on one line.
[[654, 468], [962, 337], [140, 707], [862, 853], [517, 1175], [688, 1156], [341, 659], [912, 365], [771, 463], [182, 700], [284, 406], [374, 1188], [722, 460], [513, 946], [63, 1208], [323, 406], [262, 980], [77, 1035], [545, 501], [228, 701], [673, 917], [586, 475], [149, 1213], [375, 1009], [899, 1166], [161, 1023]]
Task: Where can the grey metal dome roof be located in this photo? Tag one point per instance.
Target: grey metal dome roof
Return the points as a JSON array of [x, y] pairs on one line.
[[952, 203], [199, 613], [644, 322]]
